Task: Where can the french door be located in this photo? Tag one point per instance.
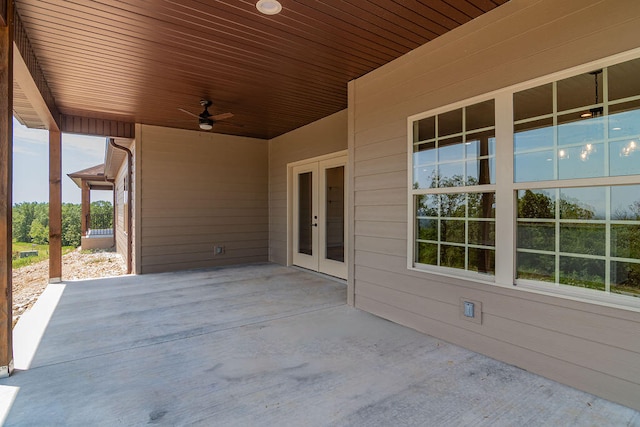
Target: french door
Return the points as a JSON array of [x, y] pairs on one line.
[[319, 215]]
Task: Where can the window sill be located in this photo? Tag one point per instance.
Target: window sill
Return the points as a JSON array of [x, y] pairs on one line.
[[590, 296], [454, 273]]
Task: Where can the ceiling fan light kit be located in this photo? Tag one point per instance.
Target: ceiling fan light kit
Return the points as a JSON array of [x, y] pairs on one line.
[[205, 124], [205, 119]]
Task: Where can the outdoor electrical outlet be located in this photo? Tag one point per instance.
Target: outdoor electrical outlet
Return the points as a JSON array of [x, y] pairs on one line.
[[471, 310], [219, 250], [468, 309]]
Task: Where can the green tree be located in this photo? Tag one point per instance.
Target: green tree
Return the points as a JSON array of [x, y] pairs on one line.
[[536, 205], [23, 216], [38, 233], [101, 214], [71, 224]]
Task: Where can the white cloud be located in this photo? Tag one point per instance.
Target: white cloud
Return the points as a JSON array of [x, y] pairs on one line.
[[31, 142], [91, 146], [22, 149], [30, 167]]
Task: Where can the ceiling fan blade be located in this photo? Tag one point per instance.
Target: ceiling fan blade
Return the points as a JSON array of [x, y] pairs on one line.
[[189, 113], [222, 116]]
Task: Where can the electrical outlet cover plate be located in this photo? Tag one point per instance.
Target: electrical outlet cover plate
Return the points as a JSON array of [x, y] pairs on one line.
[[477, 310]]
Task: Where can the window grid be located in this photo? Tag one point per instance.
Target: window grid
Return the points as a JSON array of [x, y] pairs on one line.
[[607, 222], [439, 243], [436, 140], [606, 140]]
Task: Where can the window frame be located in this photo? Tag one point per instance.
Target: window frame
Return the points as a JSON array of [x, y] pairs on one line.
[[412, 193], [506, 189]]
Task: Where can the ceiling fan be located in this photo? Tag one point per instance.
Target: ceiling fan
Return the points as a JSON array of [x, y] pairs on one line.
[[206, 119]]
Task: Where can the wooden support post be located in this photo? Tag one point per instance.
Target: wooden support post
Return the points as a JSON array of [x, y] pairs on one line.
[[85, 207], [3, 13], [6, 172], [55, 206]]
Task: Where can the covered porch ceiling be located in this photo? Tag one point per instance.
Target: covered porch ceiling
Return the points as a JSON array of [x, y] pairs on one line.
[[141, 61]]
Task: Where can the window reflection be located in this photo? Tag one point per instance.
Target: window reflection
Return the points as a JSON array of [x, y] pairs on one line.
[[460, 153], [594, 131], [585, 237], [456, 230]]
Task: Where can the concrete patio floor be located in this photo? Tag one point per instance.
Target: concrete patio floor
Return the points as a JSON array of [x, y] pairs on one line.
[[259, 345]]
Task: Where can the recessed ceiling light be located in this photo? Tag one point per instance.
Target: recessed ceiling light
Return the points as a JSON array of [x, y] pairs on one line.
[[269, 7]]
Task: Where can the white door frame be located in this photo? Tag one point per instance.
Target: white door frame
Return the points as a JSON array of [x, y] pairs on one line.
[[290, 201], [297, 258]]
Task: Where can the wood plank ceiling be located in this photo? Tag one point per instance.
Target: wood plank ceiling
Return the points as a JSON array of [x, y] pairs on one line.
[[141, 60]]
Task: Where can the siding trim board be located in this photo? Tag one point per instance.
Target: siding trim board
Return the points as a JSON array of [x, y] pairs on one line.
[[590, 345]]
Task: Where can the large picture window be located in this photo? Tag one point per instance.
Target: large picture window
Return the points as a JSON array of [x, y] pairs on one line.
[[562, 210], [583, 127]]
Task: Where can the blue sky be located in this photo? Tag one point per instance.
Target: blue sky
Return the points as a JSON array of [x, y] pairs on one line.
[[31, 164]]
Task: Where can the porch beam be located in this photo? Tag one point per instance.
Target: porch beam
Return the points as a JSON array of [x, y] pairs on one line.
[[97, 127], [3, 13], [31, 80], [55, 206], [101, 187], [6, 171]]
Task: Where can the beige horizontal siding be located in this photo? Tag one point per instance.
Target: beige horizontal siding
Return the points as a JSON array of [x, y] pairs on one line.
[[325, 136], [230, 259], [381, 213], [397, 180], [391, 163], [207, 212], [391, 196], [201, 190], [200, 238], [390, 230], [589, 346]]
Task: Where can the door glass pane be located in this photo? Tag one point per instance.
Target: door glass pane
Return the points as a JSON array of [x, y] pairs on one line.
[[334, 226], [305, 211]]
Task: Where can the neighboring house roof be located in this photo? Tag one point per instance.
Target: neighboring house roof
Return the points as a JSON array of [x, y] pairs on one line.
[[94, 176]]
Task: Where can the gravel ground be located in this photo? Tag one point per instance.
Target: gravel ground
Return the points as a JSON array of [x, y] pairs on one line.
[[30, 281]]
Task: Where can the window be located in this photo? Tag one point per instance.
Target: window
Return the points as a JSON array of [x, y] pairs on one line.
[[585, 237], [454, 201], [567, 200], [586, 126], [583, 127]]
